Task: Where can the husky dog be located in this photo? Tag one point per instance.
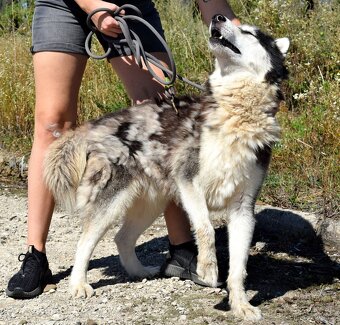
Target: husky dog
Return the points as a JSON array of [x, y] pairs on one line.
[[210, 155]]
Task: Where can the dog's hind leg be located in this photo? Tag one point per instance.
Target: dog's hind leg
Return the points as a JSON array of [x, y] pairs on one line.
[[94, 229], [194, 203], [137, 220], [98, 220], [240, 230]]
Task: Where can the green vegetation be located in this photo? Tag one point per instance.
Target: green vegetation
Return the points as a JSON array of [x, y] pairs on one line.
[[16, 15], [305, 168]]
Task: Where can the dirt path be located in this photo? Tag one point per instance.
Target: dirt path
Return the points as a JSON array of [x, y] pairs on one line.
[[293, 282]]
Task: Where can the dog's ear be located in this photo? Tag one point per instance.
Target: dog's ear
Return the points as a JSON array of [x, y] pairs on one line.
[[283, 45]]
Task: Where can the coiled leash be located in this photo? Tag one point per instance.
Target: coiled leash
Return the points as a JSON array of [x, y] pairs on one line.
[[132, 40]]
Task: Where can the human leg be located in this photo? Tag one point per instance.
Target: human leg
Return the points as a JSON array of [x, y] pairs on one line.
[[57, 79], [58, 37], [178, 224], [141, 86], [138, 82]]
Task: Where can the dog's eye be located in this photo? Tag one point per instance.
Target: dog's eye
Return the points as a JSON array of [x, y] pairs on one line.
[[215, 33], [247, 32]]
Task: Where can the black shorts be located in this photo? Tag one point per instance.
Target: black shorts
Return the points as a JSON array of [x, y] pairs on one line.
[[60, 26]]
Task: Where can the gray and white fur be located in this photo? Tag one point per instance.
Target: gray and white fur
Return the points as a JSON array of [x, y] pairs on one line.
[[211, 156]]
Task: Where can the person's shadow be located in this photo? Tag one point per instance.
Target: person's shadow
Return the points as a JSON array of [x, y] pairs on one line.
[[285, 261]]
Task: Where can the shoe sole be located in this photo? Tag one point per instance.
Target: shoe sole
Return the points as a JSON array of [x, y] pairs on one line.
[[18, 293], [177, 271]]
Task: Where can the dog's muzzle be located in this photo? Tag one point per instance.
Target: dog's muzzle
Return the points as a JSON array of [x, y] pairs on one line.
[[215, 34]]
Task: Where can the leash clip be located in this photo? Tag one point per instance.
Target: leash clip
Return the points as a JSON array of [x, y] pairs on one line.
[[170, 94]]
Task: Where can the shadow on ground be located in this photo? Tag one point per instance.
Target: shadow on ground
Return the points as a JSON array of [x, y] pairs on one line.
[[286, 261]]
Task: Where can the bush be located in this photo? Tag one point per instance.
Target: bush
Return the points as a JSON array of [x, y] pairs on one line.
[[16, 15]]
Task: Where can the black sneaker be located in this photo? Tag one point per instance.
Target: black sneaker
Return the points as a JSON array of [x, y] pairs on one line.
[[181, 262], [34, 274]]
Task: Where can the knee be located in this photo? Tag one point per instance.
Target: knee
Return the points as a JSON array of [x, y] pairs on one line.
[[54, 129], [48, 131]]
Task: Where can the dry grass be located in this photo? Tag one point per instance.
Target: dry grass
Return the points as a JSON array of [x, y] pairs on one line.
[[305, 168]]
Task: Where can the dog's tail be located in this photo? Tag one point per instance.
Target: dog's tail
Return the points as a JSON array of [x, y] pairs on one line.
[[64, 167]]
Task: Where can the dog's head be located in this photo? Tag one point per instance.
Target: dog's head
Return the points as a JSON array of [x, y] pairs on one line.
[[246, 49]]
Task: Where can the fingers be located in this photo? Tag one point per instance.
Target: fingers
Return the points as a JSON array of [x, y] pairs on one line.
[[105, 23]]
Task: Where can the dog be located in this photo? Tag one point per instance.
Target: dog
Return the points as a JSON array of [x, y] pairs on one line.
[[211, 155]]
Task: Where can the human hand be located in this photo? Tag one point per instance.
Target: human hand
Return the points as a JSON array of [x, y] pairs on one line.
[[103, 21]]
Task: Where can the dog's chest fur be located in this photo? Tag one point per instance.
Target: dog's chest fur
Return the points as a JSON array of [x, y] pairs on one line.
[[236, 140]]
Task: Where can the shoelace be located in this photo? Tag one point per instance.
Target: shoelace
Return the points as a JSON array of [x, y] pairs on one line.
[[29, 260]]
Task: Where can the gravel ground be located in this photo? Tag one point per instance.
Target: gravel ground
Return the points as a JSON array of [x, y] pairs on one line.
[[293, 282]]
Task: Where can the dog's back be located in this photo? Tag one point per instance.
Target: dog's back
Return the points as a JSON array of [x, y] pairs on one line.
[[151, 140]]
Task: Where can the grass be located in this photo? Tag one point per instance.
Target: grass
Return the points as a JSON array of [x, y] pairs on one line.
[[304, 172]]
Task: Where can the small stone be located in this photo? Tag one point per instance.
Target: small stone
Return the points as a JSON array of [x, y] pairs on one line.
[[50, 287], [62, 267], [209, 290], [289, 296], [91, 322], [326, 299], [56, 317], [259, 246]]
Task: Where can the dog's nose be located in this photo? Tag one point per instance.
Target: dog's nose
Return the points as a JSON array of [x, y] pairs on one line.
[[218, 18]]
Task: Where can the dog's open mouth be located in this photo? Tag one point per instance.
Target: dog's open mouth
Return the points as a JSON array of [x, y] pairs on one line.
[[216, 37]]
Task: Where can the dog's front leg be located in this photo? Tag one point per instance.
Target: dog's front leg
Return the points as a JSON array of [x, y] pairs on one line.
[[194, 203], [240, 229]]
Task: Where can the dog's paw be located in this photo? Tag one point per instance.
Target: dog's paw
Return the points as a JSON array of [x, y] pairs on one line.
[[81, 290], [207, 272], [247, 312], [240, 305]]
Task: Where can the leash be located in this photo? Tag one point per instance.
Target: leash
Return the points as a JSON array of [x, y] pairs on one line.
[[132, 40]]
